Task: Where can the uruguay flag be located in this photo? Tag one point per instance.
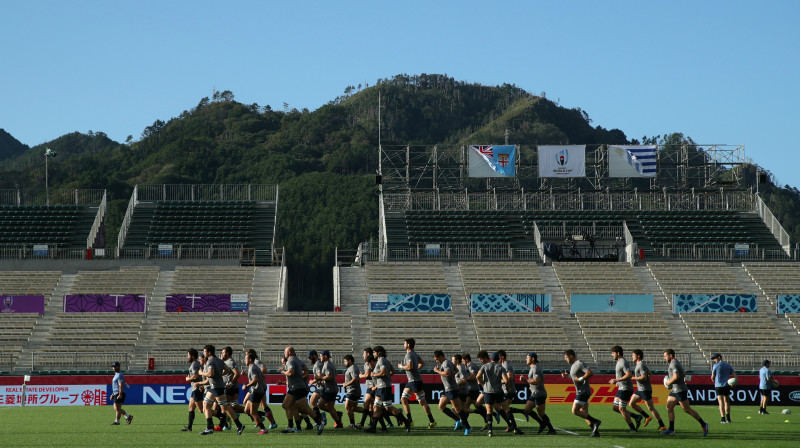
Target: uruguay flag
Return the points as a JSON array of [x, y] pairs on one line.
[[632, 161]]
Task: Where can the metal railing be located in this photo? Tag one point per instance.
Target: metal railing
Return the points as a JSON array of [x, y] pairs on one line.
[[80, 197], [180, 192], [542, 200], [377, 252], [717, 252], [78, 360], [753, 361], [6, 361]]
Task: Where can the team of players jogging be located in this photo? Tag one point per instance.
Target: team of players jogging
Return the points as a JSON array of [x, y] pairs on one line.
[[486, 389]]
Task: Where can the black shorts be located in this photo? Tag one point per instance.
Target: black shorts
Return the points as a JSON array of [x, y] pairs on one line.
[[538, 400], [330, 397], [197, 395], [474, 394], [118, 398], [723, 391], [232, 391], [256, 397], [582, 398], [416, 386], [217, 392], [645, 395], [509, 395], [384, 394], [764, 392], [299, 393], [624, 395], [681, 396], [492, 398], [451, 394], [354, 396]]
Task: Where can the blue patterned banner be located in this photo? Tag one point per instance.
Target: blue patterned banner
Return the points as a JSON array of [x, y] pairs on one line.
[[788, 303], [509, 303], [611, 303], [409, 302], [714, 303]]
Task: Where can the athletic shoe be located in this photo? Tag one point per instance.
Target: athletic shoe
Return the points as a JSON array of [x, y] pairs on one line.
[[490, 433], [485, 427], [765, 413], [287, 431], [638, 419], [647, 420], [729, 421], [723, 421], [359, 426], [338, 426], [457, 426], [207, 431], [508, 429], [186, 428], [551, 432], [632, 430], [668, 432], [408, 424], [541, 429], [518, 431], [467, 431], [129, 419], [595, 429], [412, 423], [240, 430], [263, 431], [432, 425], [320, 427], [705, 429], [114, 423], [662, 428], [370, 429]]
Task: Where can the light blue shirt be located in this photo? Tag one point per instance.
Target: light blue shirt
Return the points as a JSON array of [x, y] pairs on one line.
[[764, 376], [115, 382], [722, 371]]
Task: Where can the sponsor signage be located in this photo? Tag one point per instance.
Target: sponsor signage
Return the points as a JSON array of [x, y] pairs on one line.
[[54, 395], [21, 304]]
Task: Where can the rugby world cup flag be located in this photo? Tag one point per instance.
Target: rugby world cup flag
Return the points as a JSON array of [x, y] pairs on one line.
[[492, 160], [562, 161], [632, 161]]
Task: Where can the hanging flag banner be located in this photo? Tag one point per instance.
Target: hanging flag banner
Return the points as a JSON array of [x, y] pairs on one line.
[[492, 160], [632, 161], [562, 161]]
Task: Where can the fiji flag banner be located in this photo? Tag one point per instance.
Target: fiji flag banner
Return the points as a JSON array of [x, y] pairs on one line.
[[492, 161], [562, 161], [632, 161]]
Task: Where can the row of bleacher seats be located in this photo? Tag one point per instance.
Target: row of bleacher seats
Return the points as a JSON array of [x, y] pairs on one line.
[[775, 278], [597, 278], [56, 225], [398, 278], [501, 277], [209, 280], [128, 280], [691, 277]]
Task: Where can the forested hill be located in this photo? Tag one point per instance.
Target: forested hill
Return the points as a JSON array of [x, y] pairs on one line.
[[324, 160]]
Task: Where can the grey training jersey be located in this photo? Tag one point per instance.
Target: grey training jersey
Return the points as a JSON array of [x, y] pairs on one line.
[[492, 377], [449, 380], [577, 370], [642, 369], [676, 367], [461, 374], [254, 373], [349, 374], [228, 377], [622, 368], [537, 390], [510, 387], [317, 369], [194, 369], [368, 370], [295, 381], [215, 381], [414, 359], [473, 370], [329, 385], [382, 381]]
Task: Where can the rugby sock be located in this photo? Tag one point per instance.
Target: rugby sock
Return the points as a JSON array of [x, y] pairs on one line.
[[430, 418], [210, 423], [630, 425], [464, 419], [702, 422], [191, 419], [448, 412], [591, 419], [409, 417], [364, 416], [672, 425], [728, 417], [644, 414], [316, 409], [546, 420], [261, 426], [660, 423]]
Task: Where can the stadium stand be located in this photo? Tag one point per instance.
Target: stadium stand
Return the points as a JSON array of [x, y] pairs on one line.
[[398, 278], [432, 331], [519, 333], [502, 277], [775, 278], [212, 279], [694, 278], [597, 278], [736, 333], [58, 226], [307, 330]]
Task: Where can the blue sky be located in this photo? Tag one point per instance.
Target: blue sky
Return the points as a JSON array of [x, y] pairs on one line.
[[721, 72]]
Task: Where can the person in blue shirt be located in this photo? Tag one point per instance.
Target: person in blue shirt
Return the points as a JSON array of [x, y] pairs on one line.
[[118, 386], [765, 384], [721, 372]]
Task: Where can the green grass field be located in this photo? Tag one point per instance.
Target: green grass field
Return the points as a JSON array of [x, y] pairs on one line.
[[159, 425]]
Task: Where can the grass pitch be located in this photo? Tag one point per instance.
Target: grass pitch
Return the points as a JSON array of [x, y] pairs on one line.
[[159, 425]]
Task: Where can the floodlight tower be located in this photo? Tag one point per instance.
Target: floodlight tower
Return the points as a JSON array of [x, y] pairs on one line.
[[47, 154]]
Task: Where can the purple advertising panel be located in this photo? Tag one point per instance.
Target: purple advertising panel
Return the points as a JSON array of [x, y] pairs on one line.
[[104, 303], [21, 304], [206, 303]]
